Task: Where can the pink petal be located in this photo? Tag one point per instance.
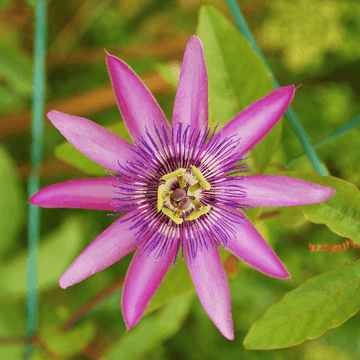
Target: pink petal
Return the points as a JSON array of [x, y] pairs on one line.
[[212, 287], [143, 278], [253, 123], [94, 141], [276, 190], [249, 246], [85, 193], [137, 105], [191, 101], [109, 247]]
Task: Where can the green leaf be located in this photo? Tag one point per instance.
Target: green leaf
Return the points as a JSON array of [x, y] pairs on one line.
[[322, 303], [152, 330], [69, 154], [56, 252], [341, 213], [67, 343], [236, 76], [12, 200]]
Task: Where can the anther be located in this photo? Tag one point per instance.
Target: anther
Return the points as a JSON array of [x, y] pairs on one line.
[[174, 174], [161, 197], [176, 219], [200, 178], [197, 213]]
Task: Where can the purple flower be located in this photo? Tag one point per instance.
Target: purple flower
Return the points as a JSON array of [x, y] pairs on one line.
[[178, 188]]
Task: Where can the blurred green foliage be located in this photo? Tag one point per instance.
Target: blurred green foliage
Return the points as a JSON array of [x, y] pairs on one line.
[[306, 31], [12, 199], [56, 251], [313, 43], [67, 343], [153, 331]]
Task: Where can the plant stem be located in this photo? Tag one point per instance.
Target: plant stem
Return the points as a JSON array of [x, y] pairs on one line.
[[38, 99]]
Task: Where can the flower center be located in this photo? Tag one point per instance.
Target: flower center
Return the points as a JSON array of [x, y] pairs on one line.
[[180, 195]]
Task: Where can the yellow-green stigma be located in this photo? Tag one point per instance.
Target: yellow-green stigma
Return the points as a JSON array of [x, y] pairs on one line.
[[179, 194]]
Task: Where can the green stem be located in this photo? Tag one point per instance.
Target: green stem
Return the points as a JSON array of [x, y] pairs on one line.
[[293, 119], [38, 99]]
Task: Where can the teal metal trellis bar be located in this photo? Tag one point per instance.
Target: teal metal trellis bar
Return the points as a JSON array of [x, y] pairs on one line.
[[37, 129], [293, 119]]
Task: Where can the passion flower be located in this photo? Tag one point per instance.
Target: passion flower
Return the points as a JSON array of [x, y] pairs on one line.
[[176, 188]]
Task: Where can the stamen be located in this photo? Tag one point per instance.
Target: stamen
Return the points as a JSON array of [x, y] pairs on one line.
[[176, 219], [161, 197], [197, 213], [174, 174], [182, 194], [200, 178]]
